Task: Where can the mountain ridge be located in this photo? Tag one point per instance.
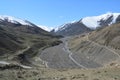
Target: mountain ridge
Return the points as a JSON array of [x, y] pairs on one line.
[[91, 23], [14, 20]]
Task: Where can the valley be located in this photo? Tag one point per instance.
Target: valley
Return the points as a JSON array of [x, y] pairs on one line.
[[75, 51]]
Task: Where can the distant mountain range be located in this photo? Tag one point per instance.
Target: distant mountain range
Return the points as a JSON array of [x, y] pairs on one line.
[[73, 28], [87, 24]]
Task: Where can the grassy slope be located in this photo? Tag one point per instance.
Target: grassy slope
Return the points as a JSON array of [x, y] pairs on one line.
[[14, 39], [8, 43]]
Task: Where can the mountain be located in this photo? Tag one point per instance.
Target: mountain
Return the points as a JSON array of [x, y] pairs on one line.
[[87, 24], [72, 29], [100, 47], [21, 40], [102, 20], [14, 20], [20, 25]]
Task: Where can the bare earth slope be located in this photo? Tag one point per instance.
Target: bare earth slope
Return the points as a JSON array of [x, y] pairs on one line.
[[101, 46]]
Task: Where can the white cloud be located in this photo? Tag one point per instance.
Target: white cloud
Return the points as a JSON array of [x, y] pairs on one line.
[[45, 27], [61, 17]]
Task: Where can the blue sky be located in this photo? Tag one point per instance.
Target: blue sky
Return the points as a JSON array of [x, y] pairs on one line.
[[56, 12]]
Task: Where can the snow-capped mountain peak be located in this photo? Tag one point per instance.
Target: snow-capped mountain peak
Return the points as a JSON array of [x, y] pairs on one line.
[[87, 24], [14, 20], [94, 21]]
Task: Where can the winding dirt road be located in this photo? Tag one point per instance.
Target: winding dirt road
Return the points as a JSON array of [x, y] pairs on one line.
[[70, 56], [17, 53], [60, 57]]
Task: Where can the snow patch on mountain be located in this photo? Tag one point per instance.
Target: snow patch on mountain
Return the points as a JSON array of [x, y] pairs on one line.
[[46, 28], [13, 20], [93, 22], [64, 26]]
